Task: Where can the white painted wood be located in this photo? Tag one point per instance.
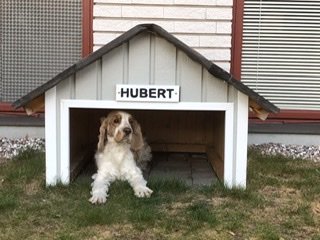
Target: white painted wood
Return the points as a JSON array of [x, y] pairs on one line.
[[189, 75], [228, 147], [241, 140], [104, 104], [64, 143], [52, 164], [192, 106], [147, 93], [139, 59]]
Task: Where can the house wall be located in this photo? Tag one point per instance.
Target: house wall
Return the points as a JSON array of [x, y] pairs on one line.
[[204, 25]]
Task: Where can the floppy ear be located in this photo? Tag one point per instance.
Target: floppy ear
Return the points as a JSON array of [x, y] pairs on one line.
[[137, 139], [102, 135]]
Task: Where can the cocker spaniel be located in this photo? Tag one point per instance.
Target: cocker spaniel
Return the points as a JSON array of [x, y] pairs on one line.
[[122, 154]]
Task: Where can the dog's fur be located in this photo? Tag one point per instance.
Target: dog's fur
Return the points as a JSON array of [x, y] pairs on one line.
[[121, 154]]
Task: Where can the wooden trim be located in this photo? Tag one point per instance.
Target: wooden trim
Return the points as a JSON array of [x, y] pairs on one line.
[[291, 116], [87, 27], [192, 106], [7, 107], [311, 128], [236, 43], [51, 127]]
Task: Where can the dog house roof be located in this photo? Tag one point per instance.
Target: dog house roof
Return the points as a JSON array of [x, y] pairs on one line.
[[257, 101]]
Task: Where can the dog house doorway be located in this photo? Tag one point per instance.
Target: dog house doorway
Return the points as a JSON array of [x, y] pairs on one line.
[[183, 127]]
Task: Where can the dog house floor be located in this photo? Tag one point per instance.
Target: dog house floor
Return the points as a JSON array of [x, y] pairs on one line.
[[193, 169]]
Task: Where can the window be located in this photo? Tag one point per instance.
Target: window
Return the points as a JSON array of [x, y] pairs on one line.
[[38, 39], [281, 51]]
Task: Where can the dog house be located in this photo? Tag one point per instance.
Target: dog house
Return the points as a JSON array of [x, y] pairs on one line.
[[184, 103]]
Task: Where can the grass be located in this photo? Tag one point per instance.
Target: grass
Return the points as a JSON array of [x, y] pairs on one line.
[[280, 202]]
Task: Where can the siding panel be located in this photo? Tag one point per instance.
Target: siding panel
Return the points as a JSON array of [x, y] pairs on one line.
[[189, 75], [196, 22], [113, 69], [86, 82], [139, 60], [164, 63]]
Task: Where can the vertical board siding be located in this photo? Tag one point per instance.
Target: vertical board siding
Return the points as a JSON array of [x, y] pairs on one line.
[[86, 82], [203, 25], [66, 89], [113, 71], [189, 77], [139, 59], [213, 89], [165, 62], [146, 59]]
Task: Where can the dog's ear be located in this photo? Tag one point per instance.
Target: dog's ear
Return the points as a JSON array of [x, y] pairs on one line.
[[137, 139], [103, 134]]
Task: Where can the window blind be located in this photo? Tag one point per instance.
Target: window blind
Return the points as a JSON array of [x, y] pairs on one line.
[[281, 52]]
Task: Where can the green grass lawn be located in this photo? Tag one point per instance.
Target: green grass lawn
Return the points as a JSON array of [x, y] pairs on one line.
[[282, 201]]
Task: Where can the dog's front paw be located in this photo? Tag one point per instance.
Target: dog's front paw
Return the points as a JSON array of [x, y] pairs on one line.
[[98, 199], [144, 191]]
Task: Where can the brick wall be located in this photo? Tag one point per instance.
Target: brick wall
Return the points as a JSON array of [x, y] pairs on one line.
[[204, 25]]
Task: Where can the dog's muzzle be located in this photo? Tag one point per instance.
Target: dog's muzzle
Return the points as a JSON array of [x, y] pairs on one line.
[[127, 131]]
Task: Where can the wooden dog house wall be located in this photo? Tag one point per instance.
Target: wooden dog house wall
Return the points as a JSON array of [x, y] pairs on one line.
[[151, 60], [211, 115]]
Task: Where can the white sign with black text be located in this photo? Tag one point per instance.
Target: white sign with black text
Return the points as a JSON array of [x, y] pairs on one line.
[[147, 93]]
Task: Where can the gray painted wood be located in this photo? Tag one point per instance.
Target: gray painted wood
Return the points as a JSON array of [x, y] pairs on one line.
[[164, 62], [113, 71], [146, 60], [189, 75], [86, 82], [66, 89], [213, 90], [139, 59]]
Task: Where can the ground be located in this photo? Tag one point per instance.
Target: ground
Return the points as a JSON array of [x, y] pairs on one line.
[[282, 201]]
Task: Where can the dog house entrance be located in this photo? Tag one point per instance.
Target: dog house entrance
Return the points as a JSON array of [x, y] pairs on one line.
[[196, 136]]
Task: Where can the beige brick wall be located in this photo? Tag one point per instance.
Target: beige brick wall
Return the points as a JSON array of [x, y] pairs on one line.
[[204, 25]]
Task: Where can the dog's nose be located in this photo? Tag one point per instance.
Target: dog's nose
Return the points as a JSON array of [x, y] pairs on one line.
[[127, 130]]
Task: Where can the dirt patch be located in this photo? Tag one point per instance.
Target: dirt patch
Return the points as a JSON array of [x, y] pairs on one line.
[[3, 160], [315, 206], [218, 201], [32, 188], [120, 231]]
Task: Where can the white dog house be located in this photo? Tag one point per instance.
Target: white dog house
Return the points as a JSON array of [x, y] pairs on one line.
[[184, 103]]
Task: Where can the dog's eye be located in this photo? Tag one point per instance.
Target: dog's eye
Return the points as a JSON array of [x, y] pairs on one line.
[[131, 121], [116, 120]]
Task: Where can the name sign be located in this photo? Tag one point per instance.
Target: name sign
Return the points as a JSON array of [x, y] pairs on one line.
[[147, 93]]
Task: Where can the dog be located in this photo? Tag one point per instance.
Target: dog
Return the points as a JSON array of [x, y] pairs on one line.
[[122, 154]]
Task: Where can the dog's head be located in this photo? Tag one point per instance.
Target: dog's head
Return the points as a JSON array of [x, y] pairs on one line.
[[120, 127]]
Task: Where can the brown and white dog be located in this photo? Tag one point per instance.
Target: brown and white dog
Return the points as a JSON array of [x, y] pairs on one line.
[[121, 154]]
